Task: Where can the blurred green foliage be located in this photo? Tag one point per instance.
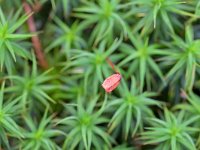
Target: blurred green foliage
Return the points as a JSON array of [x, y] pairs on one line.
[[155, 46]]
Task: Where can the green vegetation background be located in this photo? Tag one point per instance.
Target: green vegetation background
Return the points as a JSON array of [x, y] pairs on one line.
[[51, 95]]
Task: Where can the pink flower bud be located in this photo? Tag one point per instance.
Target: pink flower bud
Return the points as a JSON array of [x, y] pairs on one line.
[[111, 82]]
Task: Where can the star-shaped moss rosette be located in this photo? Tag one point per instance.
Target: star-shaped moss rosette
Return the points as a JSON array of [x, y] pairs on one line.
[[8, 126], [11, 45], [129, 108], [106, 16], [172, 132], [94, 63], [83, 125], [32, 87], [183, 58], [160, 16]]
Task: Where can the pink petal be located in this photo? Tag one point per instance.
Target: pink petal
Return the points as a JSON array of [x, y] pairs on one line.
[[111, 82]]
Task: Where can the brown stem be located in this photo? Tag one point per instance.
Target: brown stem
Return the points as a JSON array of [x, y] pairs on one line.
[[37, 6], [111, 64], [35, 39]]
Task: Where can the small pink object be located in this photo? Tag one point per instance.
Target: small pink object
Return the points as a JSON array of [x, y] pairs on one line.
[[111, 82]]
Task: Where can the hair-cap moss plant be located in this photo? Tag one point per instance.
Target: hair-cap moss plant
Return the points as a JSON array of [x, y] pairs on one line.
[[94, 63], [172, 132], [183, 55], [130, 108], [106, 15], [31, 87], [8, 126], [84, 125], [69, 37], [39, 137], [139, 57], [192, 109], [161, 15], [11, 41]]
